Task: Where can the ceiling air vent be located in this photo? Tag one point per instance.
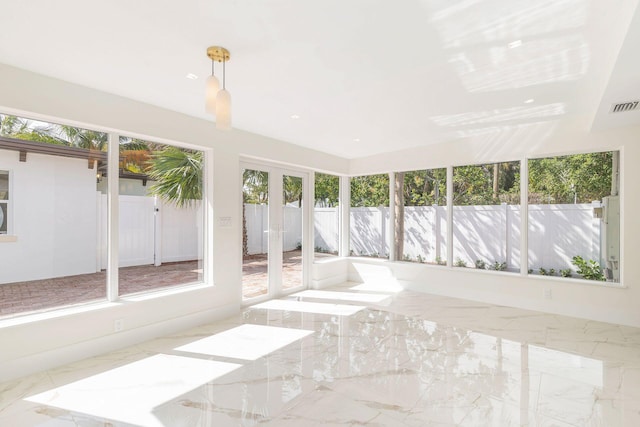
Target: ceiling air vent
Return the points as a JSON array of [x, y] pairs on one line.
[[625, 106]]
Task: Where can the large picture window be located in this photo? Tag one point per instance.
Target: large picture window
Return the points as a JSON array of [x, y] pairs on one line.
[[55, 211], [326, 214], [369, 216], [421, 216], [486, 216], [160, 216], [574, 216], [54, 200]]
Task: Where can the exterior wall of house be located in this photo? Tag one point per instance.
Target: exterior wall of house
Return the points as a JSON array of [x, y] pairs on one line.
[[53, 218]]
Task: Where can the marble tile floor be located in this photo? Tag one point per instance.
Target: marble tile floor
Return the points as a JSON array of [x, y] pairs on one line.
[[349, 356]]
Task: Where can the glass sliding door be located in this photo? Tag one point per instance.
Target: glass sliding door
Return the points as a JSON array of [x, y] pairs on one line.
[[292, 232]]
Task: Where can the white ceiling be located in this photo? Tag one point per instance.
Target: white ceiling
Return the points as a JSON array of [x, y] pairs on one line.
[[364, 76]]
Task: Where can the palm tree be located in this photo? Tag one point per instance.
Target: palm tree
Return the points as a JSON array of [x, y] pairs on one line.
[[178, 175], [83, 138]]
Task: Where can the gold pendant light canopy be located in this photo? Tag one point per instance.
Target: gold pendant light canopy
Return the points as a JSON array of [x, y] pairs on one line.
[[217, 98]]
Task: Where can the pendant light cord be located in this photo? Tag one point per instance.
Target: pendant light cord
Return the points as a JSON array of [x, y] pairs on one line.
[[224, 74]]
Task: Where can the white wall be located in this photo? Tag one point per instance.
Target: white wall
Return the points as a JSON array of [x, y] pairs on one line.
[[572, 297], [53, 204], [35, 344]]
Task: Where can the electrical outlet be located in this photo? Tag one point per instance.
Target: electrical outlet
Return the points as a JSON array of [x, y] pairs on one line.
[[547, 294], [118, 325]]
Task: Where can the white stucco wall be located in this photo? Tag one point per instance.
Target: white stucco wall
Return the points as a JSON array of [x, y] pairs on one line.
[[53, 206]]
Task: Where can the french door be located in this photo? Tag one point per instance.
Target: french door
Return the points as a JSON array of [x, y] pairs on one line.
[[275, 230]]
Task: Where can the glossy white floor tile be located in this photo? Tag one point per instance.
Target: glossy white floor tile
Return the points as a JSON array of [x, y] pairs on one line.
[[351, 356]]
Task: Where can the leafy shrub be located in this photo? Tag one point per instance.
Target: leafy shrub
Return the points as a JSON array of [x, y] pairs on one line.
[[567, 272], [545, 272], [480, 264], [460, 263], [498, 266], [589, 270]]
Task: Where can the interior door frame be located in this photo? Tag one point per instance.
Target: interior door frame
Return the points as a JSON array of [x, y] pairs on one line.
[[276, 228]]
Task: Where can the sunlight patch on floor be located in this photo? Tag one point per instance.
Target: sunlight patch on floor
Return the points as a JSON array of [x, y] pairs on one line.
[[246, 342]]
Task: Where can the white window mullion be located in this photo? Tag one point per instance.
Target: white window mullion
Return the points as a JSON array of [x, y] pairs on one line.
[[524, 217], [344, 206], [449, 216], [208, 210], [113, 216]]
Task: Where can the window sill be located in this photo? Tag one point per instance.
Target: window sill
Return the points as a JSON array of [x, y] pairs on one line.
[[7, 238]]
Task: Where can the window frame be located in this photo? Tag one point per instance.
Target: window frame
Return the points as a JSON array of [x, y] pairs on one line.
[[8, 202]]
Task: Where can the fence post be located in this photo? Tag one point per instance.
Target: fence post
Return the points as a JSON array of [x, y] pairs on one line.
[[507, 249]]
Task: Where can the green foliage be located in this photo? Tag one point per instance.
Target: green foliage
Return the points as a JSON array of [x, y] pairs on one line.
[[425, 187], [51, 133], [370, 191], [327, 190], [477, 184], [545, 272], [460, 263], [480, 264], [580, 177], [84, 138], [498, 266], [441, 261], [255, 186], [589, 270], [292, 189], [567, 272], [178, 175]]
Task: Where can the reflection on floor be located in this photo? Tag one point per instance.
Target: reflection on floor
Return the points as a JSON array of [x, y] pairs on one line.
[[393, 359]]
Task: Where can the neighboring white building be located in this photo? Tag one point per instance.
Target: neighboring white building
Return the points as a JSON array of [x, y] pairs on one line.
[[58, 205], [52, 200]]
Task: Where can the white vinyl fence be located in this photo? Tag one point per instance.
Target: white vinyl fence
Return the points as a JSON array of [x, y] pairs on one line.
[[152, 232], [257, 223], [489, 233]]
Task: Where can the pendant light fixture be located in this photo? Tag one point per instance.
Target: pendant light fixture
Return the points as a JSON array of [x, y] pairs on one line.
[[218, 100]]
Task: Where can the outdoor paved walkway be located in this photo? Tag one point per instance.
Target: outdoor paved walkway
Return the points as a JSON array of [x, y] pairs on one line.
[[40, 295]]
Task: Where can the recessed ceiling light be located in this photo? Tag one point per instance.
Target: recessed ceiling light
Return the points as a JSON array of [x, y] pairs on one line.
[[515, 43], [529, 101], [356, 139], [295, 116], [191, 76]]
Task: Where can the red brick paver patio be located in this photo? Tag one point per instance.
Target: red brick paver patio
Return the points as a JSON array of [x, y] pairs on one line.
[[41, 295]]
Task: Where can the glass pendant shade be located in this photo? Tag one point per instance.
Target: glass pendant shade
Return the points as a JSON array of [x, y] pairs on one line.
[[213, 86], [223, 110]]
